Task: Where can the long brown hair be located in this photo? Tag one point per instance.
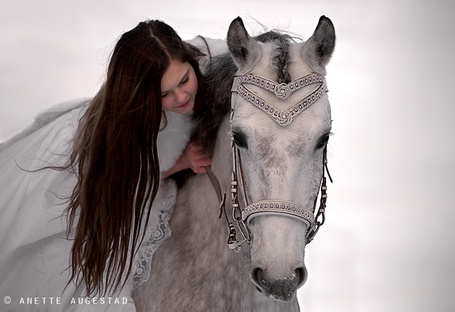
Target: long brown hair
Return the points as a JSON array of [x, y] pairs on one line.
[[115, 156]]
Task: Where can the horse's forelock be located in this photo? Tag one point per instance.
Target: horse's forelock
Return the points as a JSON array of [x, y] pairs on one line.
[[280, 58]]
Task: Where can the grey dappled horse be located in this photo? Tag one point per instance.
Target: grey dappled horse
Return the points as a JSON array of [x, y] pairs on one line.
[[269, 137]]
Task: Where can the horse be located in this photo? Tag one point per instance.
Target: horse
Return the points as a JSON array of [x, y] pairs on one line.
[[268, 122]]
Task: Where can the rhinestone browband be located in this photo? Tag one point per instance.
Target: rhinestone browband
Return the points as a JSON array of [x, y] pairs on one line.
[[281, 91]]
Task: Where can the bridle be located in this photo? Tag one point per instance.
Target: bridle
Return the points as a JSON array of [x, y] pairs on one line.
[[312, 218]]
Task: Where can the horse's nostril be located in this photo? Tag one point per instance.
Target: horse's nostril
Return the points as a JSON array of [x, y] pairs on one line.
[[301, 274], [257, 276]]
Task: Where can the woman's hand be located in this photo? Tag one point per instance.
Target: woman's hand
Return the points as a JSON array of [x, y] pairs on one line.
[[195, 159], [192, 158]]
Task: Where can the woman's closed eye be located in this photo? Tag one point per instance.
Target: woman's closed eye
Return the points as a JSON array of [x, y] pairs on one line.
[[185, 80], [182, 82]]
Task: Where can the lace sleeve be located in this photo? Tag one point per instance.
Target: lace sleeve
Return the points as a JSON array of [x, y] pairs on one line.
[[157, 231]]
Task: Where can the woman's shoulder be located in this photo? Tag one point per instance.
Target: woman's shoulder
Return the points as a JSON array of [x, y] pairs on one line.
[[210, 47], [206, 45]]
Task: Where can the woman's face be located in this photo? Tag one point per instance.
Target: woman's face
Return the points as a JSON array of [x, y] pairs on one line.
[[179, 87]]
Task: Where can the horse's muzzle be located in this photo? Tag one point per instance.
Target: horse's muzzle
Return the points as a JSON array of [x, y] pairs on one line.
[[279, 289]]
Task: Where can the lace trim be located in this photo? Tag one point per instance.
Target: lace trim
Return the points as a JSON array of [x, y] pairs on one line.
[[157, 231]]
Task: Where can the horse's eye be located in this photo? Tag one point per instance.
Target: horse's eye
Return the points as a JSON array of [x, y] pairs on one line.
[[323, 141], [240, 139]]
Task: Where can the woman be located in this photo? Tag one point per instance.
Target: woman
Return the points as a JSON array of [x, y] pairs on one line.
[[94, 172]]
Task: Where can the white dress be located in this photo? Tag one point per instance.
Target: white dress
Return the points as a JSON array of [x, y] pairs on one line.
[[34, 249]]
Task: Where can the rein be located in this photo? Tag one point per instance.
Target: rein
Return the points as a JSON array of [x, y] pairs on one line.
[[313, 218]]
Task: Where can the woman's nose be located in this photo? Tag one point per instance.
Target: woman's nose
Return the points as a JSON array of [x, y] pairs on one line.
[[180, 95]]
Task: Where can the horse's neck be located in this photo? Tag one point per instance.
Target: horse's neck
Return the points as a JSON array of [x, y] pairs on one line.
[[222, 158]]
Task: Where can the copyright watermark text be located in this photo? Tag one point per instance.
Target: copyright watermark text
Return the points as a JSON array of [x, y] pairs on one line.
[[58, 300]]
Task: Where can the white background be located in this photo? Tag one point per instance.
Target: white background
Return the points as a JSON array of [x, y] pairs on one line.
[[388, 244]]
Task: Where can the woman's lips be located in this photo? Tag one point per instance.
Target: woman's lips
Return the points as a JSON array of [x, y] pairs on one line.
[[183, 105]]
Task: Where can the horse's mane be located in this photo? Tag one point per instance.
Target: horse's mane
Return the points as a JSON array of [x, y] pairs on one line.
[[218, 82], [218, 79]]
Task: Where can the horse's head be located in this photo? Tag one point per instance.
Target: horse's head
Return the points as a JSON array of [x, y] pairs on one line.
[[280, 124]]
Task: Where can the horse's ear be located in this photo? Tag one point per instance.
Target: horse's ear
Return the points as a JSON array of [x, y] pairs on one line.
[[319, 48], [243, 49]]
